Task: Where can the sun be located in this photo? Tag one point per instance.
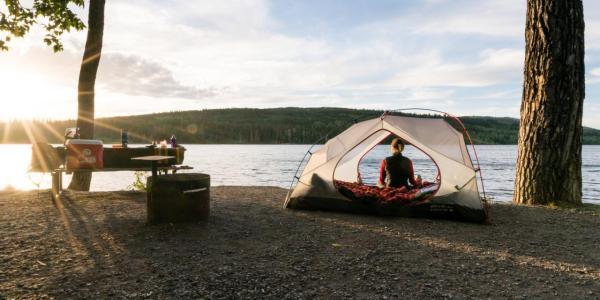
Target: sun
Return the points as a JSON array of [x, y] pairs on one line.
[[27, 95]]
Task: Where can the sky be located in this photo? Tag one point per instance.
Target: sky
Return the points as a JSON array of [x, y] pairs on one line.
[[461, 56]]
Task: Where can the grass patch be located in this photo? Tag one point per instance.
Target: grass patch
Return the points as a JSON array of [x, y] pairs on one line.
[[594, 209], [590, 208]]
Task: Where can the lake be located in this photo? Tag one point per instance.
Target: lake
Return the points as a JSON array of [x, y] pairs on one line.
[[274, 165]]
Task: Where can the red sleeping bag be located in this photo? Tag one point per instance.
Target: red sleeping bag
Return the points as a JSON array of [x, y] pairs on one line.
[[385, 195]]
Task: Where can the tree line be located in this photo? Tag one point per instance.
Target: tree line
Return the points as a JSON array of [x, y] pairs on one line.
[[249, 126]]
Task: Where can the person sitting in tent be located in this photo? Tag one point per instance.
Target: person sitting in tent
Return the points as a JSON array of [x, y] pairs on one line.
[[396, 170]]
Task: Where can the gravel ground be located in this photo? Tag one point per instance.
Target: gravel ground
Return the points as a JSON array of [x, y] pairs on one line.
[[97, 245]]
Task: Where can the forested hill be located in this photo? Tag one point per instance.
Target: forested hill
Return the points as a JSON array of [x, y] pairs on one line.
[[249, 126]]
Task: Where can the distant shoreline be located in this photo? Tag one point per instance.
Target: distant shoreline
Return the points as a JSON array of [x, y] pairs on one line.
[[290, 125]]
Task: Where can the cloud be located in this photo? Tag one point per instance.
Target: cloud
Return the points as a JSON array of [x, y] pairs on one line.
[[117, 73], [495, 66], [133, 75], [59, 69], [264, 67], [186, 50], [457, 55], [593, 76], [493, 18], [591, 12]]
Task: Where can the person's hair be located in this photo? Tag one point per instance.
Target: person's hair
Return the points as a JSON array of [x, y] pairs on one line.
[[397, 145]]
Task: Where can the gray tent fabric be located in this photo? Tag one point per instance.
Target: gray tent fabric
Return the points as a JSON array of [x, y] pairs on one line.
[[457, 195]]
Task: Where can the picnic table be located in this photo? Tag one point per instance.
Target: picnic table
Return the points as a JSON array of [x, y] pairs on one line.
[[51, 159], [170, 198]]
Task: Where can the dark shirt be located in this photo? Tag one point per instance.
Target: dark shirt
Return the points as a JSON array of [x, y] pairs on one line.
[[399, 169]]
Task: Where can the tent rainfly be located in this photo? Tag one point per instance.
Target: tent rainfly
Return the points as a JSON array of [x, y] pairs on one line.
[[457, 195]]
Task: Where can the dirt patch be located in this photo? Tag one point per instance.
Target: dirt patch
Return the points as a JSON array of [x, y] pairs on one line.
[[92, 245]]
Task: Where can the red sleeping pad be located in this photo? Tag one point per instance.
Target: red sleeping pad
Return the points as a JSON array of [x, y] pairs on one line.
[[386, 195]]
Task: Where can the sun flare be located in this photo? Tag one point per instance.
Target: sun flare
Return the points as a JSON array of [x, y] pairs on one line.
[[31, 96]]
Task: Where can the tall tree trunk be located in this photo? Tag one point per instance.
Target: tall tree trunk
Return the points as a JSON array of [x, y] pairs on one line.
[[86, 88], [550, 134]]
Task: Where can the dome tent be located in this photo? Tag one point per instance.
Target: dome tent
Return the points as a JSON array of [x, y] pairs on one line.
[[456, 195]]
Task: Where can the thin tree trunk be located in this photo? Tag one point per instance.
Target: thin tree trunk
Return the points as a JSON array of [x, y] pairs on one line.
[[86, 88], [550, 134]]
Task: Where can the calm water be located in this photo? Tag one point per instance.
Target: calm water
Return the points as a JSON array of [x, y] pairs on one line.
[[275, 165]]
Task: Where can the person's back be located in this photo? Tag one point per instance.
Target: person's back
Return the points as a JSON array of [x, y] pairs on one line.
[[396, 170]]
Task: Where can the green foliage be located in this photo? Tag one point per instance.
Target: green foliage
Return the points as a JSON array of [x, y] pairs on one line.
[[492, 131], [593, 209], [16, 20], [587, 208], [55, 16], [251, 126], [139, 182]]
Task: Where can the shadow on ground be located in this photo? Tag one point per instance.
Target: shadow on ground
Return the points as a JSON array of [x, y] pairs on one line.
[[97, 244]]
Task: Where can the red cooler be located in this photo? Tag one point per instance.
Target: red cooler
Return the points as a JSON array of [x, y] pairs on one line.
[[84, 154]]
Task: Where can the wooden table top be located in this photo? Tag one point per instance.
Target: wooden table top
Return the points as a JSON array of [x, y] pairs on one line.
[[152, 157]]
